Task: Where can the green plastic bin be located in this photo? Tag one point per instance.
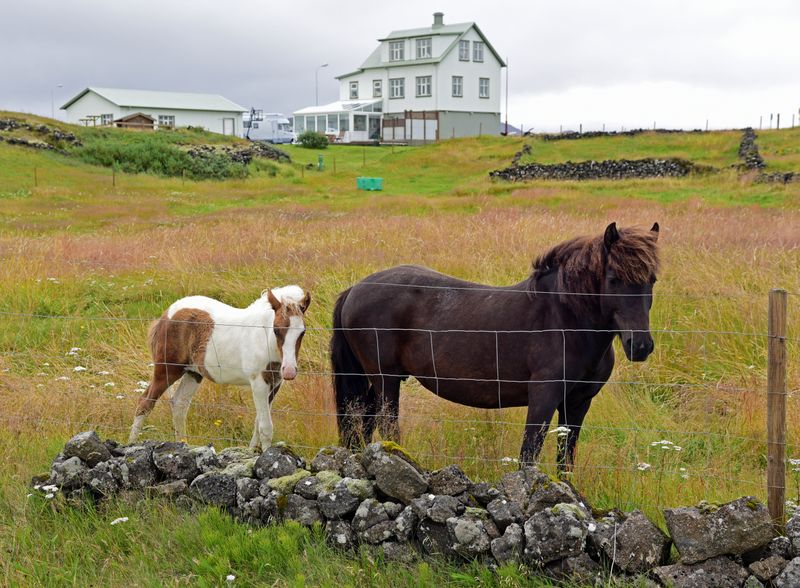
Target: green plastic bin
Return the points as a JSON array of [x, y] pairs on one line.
[[363, 183]]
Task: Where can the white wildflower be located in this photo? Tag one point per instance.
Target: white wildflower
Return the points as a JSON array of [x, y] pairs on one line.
[[79, 368], [109, 384], [230, 578], [119, 396], [509, 460], [142, 384], [119, 520], [28, 495], [49, 495], [104, 373], [63, 378], [46, 364], [642, 466]]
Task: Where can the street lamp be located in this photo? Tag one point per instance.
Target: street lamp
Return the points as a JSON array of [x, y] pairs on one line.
[[316, 83], [53, 100]]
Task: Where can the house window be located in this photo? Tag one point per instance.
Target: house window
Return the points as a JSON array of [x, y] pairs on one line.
[[299, 124], [359, 122], [106, 119], [333, 122], [423, 48], [483, 87], [458, 86], [397, 88], [377, 88], [397, 51], [166, 120], [353, 90], [423, 86], [477, 51], [463, 50], [344, 122], [311, 123]]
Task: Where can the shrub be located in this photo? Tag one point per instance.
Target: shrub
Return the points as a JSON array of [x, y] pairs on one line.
[[155, 154], [313, 140]]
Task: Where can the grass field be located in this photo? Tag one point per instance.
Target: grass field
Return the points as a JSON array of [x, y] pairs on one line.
[[106, 259]]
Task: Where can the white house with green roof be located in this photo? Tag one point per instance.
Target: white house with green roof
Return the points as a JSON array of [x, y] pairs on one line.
[[109, 106], [418, 85]]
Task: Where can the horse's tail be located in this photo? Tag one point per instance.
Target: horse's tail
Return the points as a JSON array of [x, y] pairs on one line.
[[155, 334], [350, 385]]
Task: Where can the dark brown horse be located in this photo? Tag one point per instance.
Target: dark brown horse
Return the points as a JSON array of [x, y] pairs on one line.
[[544, 343]]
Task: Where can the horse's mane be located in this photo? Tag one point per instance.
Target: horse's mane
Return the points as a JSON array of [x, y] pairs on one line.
[[581, 262]]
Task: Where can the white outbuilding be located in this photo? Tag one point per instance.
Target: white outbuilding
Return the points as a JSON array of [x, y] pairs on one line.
[[109, 106]]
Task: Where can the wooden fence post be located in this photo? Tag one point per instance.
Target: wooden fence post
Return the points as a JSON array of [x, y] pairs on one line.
[[776, 407]]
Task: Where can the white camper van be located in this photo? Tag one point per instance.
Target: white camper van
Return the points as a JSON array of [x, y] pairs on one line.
[[271, 127]]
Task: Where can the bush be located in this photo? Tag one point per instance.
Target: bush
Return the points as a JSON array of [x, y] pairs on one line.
[[154, 154], [313, 140]]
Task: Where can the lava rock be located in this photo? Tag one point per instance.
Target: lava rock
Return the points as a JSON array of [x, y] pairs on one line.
[[720, 572], [396, 474], [339, 503], [468, 536], [217, 489], [704, 531], [434, 538], [276, 462], [508, 548], [339, 534], [766, 569], [246, 489], [304, 511], [142, 471], [108, 477], [308, 487], [635, 545], [555, 533], [330, 458], [504, 512], [405, 524], [398, 552], [170, 489], [88, 447], [68, 474], [352, 467], [790, 576], [519, 485], [450, 481], [175, 461], [579, 569]]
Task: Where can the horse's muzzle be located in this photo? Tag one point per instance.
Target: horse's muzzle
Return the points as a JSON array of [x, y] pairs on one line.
[[638, 349], [288, 372]]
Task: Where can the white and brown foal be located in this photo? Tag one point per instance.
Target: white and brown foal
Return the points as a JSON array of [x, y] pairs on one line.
[[199, 337]]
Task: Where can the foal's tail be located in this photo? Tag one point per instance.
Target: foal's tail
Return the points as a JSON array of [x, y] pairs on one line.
[[350, 385]]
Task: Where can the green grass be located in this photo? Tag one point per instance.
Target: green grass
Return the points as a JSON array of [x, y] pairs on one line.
[[780, 149], [77, 246]]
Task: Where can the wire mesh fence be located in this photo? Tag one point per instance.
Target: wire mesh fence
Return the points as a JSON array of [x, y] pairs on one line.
[[661, 433]]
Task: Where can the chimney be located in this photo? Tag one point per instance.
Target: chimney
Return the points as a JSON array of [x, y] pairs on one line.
[[438, 19]]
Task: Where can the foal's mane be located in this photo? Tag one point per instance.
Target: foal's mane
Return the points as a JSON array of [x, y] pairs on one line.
[[581, 262]]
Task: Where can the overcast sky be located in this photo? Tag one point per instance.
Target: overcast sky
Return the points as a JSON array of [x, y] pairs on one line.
[[624, 63]]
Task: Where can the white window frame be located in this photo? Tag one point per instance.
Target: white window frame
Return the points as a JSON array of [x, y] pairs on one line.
[[106, 119], [377, 88], [397, 88], [457, 85], [463, 50], [483, 83], [424, 48], [354, 90], [477, 51], [166, 120], [424, 86], [397, 50]]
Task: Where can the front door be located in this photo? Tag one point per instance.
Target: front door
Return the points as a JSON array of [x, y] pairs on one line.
[[374, 128], [228, 126]]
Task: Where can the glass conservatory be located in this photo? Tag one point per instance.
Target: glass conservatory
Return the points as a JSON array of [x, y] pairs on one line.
[[344, 121]]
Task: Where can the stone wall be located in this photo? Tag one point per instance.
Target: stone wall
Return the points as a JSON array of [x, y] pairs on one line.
[[611, 169], [573, 135], [381, 499]]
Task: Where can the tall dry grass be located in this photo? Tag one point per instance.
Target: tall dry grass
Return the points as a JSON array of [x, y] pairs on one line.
[[703, 389]]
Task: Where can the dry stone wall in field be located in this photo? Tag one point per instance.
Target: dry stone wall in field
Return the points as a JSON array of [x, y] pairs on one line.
[[382, 499]]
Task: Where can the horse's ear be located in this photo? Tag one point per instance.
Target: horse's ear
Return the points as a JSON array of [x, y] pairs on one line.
[[305, 302], [611, 236], [273, 302], [655, 230]]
